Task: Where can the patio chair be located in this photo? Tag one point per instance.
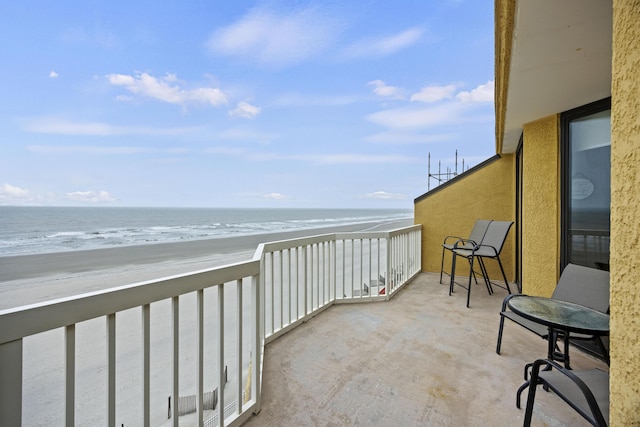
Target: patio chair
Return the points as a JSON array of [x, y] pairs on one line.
[[586, 391], [475, 238], [490, 247], [578, 284]]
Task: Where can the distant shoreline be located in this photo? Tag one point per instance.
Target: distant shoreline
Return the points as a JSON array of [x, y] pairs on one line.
[[17, 267]]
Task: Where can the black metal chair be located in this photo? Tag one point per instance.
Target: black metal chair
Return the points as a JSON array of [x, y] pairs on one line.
[[475, 238], [491, 246], [578, 284], [586, 391]]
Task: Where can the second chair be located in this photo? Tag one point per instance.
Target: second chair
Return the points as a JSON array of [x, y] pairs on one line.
[[491, 247]]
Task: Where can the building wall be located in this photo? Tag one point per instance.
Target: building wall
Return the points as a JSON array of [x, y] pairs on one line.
[[541, 206], [625, 215], [504, 23], [485, 193]]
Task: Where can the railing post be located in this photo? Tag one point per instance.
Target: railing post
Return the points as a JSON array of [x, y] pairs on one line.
[[258, 336], [335, 269], [200, 356], [175, 356], [11, 383], [146, 365], [70, 374], [111, 370], [389, 283], [221, 376], [239, 342]]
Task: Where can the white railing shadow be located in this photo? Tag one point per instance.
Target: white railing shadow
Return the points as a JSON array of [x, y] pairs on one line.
[[209, 320]]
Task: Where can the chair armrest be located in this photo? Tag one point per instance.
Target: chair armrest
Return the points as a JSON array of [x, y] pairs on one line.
[[444, 242], [463, 242], [579, 383], [506, 301], [495, 251]]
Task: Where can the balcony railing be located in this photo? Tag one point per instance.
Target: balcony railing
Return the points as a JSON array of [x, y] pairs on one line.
[[216, 323]]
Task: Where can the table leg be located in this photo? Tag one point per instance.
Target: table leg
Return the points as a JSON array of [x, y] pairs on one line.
[[566, 350]]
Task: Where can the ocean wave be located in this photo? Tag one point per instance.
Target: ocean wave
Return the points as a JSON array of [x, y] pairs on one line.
[[136, 226]]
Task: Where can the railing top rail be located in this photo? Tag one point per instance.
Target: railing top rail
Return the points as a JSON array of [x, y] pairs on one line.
[[377, 234], [23, 321], [303, 241]]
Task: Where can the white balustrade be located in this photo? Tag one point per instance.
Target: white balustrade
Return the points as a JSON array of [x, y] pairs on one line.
[[290, 282]]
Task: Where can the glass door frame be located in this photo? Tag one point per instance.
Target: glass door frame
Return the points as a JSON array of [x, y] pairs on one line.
[[565, 167]]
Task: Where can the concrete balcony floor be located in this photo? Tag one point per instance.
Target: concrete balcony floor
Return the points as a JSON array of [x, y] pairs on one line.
[[421, 359]]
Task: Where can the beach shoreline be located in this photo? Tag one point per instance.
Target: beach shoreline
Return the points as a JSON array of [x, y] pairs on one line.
[[29, 279]]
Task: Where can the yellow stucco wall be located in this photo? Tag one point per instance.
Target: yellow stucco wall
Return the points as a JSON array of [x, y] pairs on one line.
[[486, 193], [625, 215], [503, 21], [540, 206]]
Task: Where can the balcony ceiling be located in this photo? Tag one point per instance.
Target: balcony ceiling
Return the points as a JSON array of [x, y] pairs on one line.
[[560, 59]]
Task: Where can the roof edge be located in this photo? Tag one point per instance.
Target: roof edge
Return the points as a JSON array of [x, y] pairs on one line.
[[457, 178]]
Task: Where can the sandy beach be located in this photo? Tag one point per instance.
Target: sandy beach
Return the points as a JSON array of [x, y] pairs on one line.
[[36, 278], [27, 279]]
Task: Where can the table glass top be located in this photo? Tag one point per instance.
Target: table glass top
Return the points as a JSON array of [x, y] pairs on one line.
[[560, 314]]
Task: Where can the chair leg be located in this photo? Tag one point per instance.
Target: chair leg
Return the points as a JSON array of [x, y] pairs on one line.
[[485, 274], [499, 344], [603, 349], [453, 272], [469, 285], [442, 264], [504, 276], [522, 388], [533, 382]]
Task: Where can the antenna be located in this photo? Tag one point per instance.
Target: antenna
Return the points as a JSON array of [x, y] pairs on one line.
[[442, 177]]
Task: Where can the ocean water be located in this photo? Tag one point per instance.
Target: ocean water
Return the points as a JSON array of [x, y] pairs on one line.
[[37, 230]]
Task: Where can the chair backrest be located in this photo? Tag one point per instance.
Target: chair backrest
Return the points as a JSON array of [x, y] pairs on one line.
[[479, 230], [497, 234], [585, 286]]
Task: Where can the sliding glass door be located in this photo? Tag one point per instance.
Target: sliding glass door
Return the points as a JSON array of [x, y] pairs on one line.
[[586, 162]]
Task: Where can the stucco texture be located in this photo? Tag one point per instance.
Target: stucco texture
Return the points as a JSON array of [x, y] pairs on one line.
[[504, 16], [625, 215], [485, 193], [540, 207]]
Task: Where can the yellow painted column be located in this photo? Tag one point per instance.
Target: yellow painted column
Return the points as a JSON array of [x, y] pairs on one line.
[[625, 215], [541, 206]]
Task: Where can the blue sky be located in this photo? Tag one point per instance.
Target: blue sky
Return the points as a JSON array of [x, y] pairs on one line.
[[304, 104]]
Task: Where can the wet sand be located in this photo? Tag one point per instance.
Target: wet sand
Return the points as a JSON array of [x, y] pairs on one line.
[[32, 266]]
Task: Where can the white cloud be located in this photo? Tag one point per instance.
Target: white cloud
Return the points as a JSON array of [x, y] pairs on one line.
[[409, 138], [53, 75], [276, 38], [416, 118], [353, 158], [88, 149], [167, 89], [62, 126], [245, 111], [298, 100], [240, 134], [90, 196], [383, 195], [323, 159], [483, 93], [275, 196], [12, 194], [384, 46], [434, 93], [380, 88]]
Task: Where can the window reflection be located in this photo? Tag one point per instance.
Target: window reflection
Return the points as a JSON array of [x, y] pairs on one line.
[[590, 189]]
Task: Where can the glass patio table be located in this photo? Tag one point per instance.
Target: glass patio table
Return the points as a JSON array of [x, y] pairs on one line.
[[560, 317]]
